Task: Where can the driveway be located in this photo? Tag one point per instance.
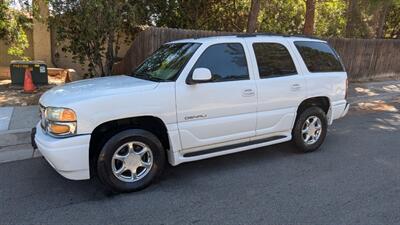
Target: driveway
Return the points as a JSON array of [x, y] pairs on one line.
[[353, 179]]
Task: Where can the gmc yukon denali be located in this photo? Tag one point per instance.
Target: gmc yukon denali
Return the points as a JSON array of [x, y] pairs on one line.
[[190, 100]]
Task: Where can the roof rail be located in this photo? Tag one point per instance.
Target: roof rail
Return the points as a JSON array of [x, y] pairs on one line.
[[259, 34], [276, 34]]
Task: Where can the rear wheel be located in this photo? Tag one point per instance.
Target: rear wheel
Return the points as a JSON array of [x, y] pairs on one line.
[[310, 129], [130, 160]]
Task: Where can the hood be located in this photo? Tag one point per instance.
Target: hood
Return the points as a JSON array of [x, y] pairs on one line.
[[93, 88]]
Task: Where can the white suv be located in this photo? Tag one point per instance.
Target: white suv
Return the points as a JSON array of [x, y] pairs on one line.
[[193, 99]]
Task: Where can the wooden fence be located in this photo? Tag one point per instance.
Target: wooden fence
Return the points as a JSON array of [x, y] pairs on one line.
[[366, 59], [363, 59]]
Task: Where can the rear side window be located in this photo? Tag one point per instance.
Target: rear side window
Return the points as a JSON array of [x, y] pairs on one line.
[[273, 60], [319, 57], [227, 62]]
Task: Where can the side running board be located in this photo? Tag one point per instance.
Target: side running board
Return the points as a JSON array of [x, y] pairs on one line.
[[228, 147]]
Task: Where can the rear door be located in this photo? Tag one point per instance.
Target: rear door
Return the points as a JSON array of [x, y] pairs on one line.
[[222, 111], [280, 85], [324, 73]]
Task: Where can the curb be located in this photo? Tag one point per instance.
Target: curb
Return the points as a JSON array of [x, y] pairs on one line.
[[16, 145], [18, 152], [15, 137]]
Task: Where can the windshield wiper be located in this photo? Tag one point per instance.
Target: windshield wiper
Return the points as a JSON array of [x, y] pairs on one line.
[[147, 76]]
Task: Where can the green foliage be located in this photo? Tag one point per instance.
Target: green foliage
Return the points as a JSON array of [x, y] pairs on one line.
[[278, 16], [222, 15], [330, 18], [392, 23], [92, 30], [13, 24]]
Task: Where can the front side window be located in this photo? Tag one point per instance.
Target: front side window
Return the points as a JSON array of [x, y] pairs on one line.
[[166, 63], [319, 57], [227, 62], [273, 60]]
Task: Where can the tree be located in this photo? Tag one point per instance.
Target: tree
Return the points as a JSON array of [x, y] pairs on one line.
[[91, 30], [384, 8], [382, 18], [352, 16], [13, 24], [253, 16], [309, 18]]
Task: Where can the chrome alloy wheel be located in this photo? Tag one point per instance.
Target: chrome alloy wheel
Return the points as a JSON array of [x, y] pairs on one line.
[[132, 161], [311, 130]]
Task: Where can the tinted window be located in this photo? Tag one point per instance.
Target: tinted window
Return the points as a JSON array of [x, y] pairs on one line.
[[319, 57], [273, 60], [226, 62]]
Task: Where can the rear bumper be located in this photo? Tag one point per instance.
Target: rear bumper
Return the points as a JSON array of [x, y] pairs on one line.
[[346, 110], [68, 156], [339, 109]]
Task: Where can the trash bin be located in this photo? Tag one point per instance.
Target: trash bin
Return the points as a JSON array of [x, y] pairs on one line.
[[39, 72]]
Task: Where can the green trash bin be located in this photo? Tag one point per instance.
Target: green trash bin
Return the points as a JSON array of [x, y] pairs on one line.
[[39, 72]]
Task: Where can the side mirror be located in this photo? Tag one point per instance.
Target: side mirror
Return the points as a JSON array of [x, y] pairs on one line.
[[201, 75]]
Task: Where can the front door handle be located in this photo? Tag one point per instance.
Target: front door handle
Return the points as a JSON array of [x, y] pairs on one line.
[[248, 92]]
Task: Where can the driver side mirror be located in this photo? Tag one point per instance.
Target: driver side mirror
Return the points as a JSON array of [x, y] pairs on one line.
[[201, 75]]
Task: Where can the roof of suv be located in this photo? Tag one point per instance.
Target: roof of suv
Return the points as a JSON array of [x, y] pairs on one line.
[[261, 36]]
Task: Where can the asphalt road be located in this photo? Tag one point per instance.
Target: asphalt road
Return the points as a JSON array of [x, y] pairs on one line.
[[353, 179]]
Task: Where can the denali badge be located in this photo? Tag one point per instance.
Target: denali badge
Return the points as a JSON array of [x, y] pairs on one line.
[[196, 117]]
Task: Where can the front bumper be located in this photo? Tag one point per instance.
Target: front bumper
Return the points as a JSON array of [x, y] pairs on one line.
[[68, 156]]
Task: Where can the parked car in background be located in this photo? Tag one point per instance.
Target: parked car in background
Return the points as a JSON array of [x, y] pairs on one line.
[[193, 99]]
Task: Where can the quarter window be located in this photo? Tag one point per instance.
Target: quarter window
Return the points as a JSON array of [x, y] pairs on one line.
[[227, 62], [319, 57], [273, 60]]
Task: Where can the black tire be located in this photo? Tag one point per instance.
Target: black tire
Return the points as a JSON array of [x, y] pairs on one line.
[[104, 162], [297, 129]]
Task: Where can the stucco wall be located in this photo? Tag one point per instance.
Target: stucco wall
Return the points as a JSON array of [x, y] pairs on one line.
[[5, 59], [65, 60]]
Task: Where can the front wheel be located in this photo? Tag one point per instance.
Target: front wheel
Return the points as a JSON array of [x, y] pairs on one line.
[[130, 160], [310, 129]]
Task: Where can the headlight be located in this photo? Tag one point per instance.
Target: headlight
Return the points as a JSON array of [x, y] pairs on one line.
[[59, 122], [60, 114]]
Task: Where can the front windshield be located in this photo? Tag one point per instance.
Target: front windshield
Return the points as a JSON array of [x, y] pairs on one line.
[[166, 62]]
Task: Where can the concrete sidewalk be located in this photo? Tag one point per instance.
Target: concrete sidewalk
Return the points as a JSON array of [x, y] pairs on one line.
[[15, 128], [19, 117], [16, 122]]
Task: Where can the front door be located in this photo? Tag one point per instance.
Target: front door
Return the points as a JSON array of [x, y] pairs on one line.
[[221, 111]]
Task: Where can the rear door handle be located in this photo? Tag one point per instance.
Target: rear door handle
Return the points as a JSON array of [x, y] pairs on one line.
[[295, 87], [248, 92]]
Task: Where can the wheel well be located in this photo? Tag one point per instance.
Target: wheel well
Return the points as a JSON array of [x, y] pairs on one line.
[[106, 130], [322, 102]]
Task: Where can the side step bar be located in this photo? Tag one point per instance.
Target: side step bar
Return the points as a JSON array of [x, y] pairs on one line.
[[228, 147]]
